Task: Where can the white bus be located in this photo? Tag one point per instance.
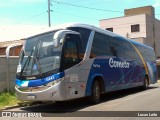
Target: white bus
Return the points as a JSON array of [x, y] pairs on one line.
[[79, 60]]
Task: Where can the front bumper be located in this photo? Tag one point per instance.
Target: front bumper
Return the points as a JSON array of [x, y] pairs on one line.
[[53, 93]]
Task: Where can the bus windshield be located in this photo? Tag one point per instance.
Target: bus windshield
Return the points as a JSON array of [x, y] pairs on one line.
[[39, 56]]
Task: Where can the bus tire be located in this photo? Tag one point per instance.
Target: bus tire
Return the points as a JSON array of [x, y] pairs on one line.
[[145, 83], [95, 92]]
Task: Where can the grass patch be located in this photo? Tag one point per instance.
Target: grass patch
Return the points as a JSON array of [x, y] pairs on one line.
[[8, 99]]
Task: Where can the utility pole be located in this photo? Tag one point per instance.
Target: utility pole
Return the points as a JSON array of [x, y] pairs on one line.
[[49, 17]]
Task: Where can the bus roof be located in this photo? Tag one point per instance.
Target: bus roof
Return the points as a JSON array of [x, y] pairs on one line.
[[140, 44], [108, 33], [92, 27]]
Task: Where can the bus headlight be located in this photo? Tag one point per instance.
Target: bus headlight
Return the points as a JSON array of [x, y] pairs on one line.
[[54, 82], [17, 86]]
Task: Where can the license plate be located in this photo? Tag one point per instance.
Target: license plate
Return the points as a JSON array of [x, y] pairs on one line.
[[31, 97]]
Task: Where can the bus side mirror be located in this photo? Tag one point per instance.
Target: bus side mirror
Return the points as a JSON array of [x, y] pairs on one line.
[[58, 37], [55, 43]]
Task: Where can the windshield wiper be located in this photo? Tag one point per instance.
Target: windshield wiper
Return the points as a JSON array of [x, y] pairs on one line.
[[27, 61], [37, 63]]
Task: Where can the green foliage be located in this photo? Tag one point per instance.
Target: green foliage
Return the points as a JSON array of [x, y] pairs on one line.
[[8, 99]]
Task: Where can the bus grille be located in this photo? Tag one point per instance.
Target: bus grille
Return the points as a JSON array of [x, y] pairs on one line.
[[33, 89]]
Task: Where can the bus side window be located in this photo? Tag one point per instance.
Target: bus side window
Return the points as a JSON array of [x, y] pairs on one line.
[[115, 47], [70, 52], [113, 50], [100, 45]]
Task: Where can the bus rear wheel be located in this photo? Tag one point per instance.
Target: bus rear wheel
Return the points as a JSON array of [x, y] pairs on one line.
[[95, 93], [145, 83]]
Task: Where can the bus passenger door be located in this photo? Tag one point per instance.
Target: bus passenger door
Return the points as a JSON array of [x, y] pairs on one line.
[[70, 66]]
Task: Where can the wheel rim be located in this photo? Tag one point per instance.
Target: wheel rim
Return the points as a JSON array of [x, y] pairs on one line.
[[97, 92], [146, 82]]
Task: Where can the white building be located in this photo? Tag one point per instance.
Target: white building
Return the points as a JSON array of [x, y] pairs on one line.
[[139, 24]]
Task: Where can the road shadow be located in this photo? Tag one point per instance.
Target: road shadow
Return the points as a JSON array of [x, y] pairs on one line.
[[59, 107], [78, 104], [123, 93]]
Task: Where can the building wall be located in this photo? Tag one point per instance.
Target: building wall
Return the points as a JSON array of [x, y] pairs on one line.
[[149, 33], [122, 25], [13, 51], [140, 40], [153, 34], [157, 37], [3, 51], [141, 10]]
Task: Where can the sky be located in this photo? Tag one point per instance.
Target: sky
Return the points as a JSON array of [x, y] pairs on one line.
[[22, 18]]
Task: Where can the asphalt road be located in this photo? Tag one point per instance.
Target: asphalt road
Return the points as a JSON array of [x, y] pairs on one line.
[[127, 104]]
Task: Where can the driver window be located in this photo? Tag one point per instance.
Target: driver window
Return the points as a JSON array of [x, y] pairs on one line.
[[71, 52]]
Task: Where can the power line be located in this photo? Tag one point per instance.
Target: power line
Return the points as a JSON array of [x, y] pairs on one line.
[[69, 14], [92, 8], [31, 17], [98, 9], [115, 25]]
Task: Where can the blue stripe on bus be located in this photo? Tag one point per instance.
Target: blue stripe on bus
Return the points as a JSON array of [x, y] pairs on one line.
[[39, 82], [115, 78]]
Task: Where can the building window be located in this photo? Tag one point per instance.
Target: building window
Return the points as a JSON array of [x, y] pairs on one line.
[[110, 29], [135, 28]]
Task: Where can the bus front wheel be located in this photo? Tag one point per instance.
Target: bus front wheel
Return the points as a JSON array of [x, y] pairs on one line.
[[95, 92]]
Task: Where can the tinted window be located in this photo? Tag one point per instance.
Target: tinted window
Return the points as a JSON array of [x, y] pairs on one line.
[[122, 48], [114, 46], [85, 33], [39, 55], [70, 52], [100, 45], [147, 54], [128, 51]]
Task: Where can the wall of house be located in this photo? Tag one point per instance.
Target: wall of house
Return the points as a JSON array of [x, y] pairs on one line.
[[140, 40], [13, 51], [3, 51], [140, 10], [149, 29], [122, 25], [157, 37]]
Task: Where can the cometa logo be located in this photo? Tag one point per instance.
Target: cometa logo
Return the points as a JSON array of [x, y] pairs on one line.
[[30, 78], [118, 64]]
